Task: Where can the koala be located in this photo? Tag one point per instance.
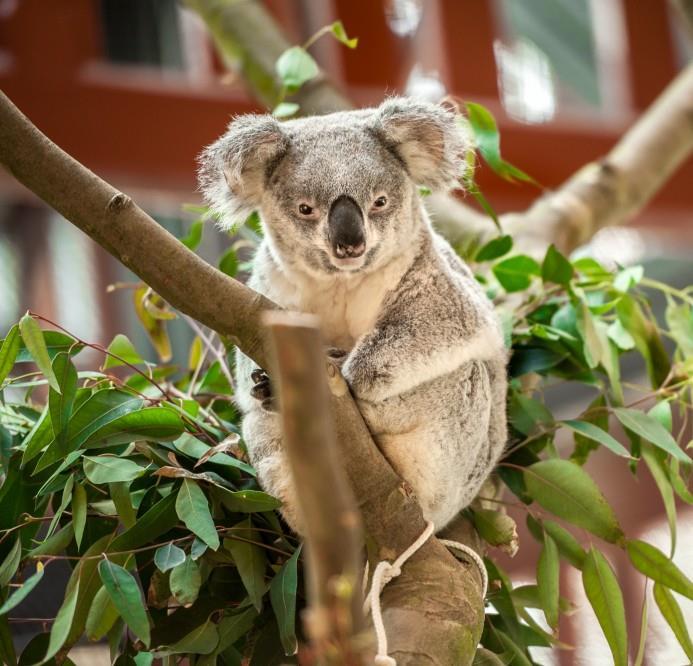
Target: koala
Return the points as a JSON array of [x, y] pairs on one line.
[[346, 238]]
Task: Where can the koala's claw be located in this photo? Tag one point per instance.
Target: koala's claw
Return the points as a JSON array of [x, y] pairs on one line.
[[262, 390]]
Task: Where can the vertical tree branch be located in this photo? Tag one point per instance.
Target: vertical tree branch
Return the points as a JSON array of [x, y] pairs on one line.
[[326, 503]]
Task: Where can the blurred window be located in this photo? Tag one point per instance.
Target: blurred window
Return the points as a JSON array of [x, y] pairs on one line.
[[559, 56], [142, 32]]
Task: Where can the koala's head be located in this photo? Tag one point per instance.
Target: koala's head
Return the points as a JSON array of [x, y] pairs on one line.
[[336, 193]]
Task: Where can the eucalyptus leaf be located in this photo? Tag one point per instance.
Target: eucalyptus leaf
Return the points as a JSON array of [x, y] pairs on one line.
[[556, 268], [594, 432], [8, 352], [249, 559], [515, 273], [126, 596], [566, 490], [652, 562], [496, 247], [121, 352], [168, 557], [23, 592], [605, 596], [283, 599], [296, 66], [548, 570], [670, 609], [32, 335], [650, 429], [110, 469], [185, 581], [193, 509]]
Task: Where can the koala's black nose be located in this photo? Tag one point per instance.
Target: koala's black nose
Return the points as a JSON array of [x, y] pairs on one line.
[[345, 228]]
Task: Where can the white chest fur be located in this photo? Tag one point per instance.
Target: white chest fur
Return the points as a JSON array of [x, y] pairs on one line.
[[347, 304]]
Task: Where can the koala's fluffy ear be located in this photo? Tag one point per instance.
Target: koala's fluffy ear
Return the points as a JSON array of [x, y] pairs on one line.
[[233, 169], [427, 138]]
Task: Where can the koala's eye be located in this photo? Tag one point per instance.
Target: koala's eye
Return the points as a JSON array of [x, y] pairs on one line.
[[305, 209], [380, 202]]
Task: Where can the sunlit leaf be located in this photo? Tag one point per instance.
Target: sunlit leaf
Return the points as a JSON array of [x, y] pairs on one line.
[[650, 429], [8, 352], [194, 236], [60, 403], [606, 598], [548, 570], [296, 66], [488, 142], [283, 600], [155, 328], [655, 464], [567, 491], [337, 29], [656, 565], [595, 433], [628, 277], [680, 321], [33, 339], [567, 544], [282, 110], [126, 597], [120, 352], [670, 609]]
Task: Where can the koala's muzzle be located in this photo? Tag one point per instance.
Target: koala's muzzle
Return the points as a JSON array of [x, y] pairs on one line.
[[345, 229]]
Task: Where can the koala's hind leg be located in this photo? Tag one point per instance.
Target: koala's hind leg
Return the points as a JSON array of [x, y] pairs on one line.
[[262, 435]]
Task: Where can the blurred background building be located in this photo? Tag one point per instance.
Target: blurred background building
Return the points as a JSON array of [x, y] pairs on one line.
[[134, 89]]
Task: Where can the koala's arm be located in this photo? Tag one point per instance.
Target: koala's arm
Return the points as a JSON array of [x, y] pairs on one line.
[[435, 321]]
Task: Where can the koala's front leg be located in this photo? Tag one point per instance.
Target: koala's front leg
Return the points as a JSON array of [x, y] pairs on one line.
[[262, 390]]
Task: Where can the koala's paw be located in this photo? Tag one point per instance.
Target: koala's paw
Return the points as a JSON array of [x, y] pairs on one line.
[[262, 390], [368, 382], [337, 355]]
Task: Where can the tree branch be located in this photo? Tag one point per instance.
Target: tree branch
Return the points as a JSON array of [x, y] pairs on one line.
[[434, 608], [328, 510]]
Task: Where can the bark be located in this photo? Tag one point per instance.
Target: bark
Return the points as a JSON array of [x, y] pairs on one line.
[[327, 506], [435, 598]]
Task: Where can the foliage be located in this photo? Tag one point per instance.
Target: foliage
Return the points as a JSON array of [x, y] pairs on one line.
[[135, 475]]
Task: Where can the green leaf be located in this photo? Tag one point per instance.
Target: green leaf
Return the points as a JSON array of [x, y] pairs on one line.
[[9, 565], [337, 29], [296, 66], [595, 433], [192, 508], [567, 544], [194, 238], [55, 544], [282, 110], [283, 599], [650, 429], [556, 268], [201, 640], [38, 437], [60, 403], [7, 652], [620, 336], [60, 631], [36, 345], [567, 491], [515, 273], [79, 512], [656, 565], [495, 248], [151, 423], [124, 350], [168, 557], [102, 615], [678, 483], [120, 494], [488, 142], [670, 609], [604, 594], [247, 501], [628, 277], [24, 591], [229, 260], [548, 570], [198, 549], [8, 352], [249, 559], [680, 322], [662, 412], [110, 469], [656, 466], [185, 581], [126, 596]]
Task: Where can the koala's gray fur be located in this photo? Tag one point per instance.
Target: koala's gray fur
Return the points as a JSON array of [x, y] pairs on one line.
[[425, 354]]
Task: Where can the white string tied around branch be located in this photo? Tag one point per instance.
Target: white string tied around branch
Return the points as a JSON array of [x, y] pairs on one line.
[[385, 572]]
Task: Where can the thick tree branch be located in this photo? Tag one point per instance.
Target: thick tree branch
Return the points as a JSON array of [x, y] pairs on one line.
[[434, 594], [331, 521]]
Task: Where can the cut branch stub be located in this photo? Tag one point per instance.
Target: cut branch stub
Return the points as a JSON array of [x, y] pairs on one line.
[[330, 519]]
